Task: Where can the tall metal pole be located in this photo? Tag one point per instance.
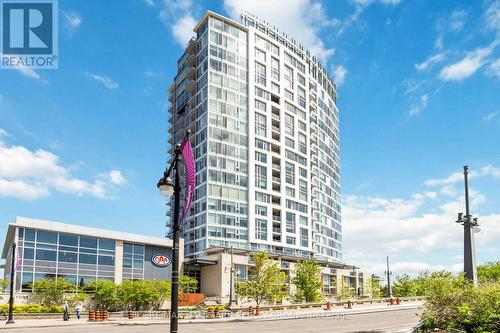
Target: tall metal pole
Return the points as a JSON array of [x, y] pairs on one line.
[[469, 255], [174, 302], [232, 301], [12, 270], [389, 289]]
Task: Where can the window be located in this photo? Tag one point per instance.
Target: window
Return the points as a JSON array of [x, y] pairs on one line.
[[302, 97], [261, 106], [302, 172], [89, 242], [67, 239], [302, 190], [260, 74], [290, 222], [289, 142], [275, 87], [290, 173], [301, 79], [289, 94], [290, 191], [46, 237], [303, 220], [304, 239], [260, 176], [290, 240], [260, 124], [106, 244], [66, 256], [302, 125], [260, 55], [261, 210], [275, 69], [261, 157], [289, 77], [261, 229], [88, 259], [45, 255], [261, 144], [289, 125], [241, 272], [262, 197], [302, 143]]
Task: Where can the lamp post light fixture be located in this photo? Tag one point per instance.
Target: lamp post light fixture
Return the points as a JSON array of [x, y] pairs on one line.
[[471, 226], [10, 320], [168, 188], [388, 273]]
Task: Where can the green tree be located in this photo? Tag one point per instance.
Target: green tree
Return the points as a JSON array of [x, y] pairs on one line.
[[375, 287], [162, 292], [104, 293], [4, 283], [137, 295], [187, 284], [266, 281], [489, 272], [404, 285], [54, 291], [307, 279]]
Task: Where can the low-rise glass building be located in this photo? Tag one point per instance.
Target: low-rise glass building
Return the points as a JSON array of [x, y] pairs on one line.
[[83, 254]]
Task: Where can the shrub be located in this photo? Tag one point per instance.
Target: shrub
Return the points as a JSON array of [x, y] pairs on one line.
[[31, 308]]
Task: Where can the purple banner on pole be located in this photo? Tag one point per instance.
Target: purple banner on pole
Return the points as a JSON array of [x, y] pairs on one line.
[[190, 175]]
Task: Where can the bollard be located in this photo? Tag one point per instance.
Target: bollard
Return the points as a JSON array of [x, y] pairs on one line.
[[106, 315], [257, 310], [216, 312], [328, 306], [349, 304], [391, 301], [130, 315], [210, 313], [398, 301], [91, 315], [250, 310], [98, 315]]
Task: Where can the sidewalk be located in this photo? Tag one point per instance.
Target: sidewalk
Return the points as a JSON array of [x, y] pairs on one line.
[[337, 312]]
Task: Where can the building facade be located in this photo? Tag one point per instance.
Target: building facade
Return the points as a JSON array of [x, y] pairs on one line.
[[265, 132], [81, 254]]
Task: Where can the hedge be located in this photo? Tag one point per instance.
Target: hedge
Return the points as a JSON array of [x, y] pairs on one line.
[[31, 308]]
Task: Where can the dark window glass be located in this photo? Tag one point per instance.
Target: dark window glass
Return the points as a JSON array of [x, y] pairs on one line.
[[46, 237], [28, 253], [106, 260], [27, 281], [85, 280], [65, 256], [70, 278], [93, 251], [138, 264], [138, 249], [88, 242], [67, 239], [106, 244], [41, 276], [29, 235], [46, 255], [29, 244], [21, 233], [127, 262], [88, 259], [68, 248], [127, 248]]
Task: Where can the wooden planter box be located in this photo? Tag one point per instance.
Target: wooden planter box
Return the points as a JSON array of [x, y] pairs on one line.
[[189, 299]]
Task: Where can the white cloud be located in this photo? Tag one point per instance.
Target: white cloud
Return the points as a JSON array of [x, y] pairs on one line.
[[493, 15], [72, 20], [418, 234], [27, 174], [494, 68], [182, 29], [339, 74], [457, 19], [179, 16], [490, 116], [419, 106], [430, 61], [302, 20], [438, 44], [32, 74], [455, 177], [150, 3], [390, 2], [466, 67], [105, 80]]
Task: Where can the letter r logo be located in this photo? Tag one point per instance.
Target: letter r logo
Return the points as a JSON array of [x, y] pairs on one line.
[[27, 27]]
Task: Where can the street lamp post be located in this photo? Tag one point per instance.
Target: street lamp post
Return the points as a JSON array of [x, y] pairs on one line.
[[388, 272], [470, 227], [12, 271], [232, 301], [167, 188]]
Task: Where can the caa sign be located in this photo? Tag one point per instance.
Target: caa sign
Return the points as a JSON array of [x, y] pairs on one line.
[[160, 260]]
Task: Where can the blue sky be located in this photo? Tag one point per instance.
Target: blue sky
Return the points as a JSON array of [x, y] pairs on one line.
[[419, 94]]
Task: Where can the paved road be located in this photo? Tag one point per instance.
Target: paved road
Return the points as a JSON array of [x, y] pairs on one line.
[[370, 322]]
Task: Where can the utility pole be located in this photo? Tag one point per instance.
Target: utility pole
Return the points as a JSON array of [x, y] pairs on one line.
[[470, 227], [12, 275], [388, 272], [232, 301]]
